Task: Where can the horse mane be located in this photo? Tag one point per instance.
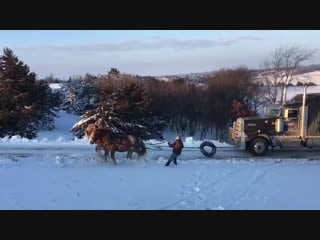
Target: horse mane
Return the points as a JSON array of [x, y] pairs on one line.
[[100, 133], [114, 138]]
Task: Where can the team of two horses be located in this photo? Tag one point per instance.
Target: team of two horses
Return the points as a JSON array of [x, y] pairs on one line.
[[102, 139]]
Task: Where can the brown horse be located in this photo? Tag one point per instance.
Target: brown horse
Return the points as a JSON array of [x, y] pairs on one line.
[[102, 139]]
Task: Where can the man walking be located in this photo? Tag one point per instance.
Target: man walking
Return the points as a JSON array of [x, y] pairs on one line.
[[176, 150]]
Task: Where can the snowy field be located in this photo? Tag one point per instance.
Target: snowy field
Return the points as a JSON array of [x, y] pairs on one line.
[[308, 77], [55, 171], [80, 181]]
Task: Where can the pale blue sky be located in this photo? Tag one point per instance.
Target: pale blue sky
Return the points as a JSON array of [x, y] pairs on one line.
[[149, 52]]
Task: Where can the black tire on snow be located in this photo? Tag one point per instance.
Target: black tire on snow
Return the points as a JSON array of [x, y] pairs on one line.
[[259, 146], [208, 144]]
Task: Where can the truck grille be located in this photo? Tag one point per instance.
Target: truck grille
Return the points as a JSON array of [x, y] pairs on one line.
[[237, 128]]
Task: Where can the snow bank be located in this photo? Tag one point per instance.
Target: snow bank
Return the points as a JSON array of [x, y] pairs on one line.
[[56, 85], [17, 140], [61, 136]]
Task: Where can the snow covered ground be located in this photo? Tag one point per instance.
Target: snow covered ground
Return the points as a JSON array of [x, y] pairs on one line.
[[81, 180], [56, 172]]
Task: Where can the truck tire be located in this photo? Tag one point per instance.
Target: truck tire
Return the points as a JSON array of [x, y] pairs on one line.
[[259, 146], [208, 144]]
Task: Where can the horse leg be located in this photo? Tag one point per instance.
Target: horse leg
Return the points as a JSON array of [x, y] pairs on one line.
[[106, 155], [129, 155], [112, 156]]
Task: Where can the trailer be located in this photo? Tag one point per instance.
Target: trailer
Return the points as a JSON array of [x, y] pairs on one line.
[[295, 125]]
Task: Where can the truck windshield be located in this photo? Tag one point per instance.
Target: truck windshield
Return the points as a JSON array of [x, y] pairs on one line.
[[292, 113], [274, 112]]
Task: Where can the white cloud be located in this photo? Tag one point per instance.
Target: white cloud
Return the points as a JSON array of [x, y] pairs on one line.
[[154, 44]]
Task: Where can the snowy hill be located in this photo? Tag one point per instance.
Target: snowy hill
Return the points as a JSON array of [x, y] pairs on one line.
[[304, 78], [201, 78], [313, 77]]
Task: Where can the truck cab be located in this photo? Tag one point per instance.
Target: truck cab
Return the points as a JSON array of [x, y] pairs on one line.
[[291, 125]]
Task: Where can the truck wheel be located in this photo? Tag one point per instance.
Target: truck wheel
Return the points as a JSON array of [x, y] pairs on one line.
[[259, 146]]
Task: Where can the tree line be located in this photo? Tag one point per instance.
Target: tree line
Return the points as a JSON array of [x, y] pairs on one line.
[[190, 109], [27, 104]]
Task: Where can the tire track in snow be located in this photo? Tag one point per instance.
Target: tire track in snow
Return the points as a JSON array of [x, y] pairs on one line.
[[194, 181], [196, 197], [237, 186], [204, 187], [255, 181]]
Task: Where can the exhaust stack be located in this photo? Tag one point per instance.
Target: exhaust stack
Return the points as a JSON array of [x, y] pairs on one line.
[[302, 128]]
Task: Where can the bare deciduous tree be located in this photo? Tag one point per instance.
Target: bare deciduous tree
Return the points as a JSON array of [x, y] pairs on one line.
[[282, 69]]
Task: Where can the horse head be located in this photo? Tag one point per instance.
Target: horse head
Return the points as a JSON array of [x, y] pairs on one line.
[[91, 133]]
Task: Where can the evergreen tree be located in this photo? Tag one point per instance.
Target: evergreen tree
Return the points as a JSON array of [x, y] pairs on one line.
[[46, 103], [80, 96], [24, 103], [123, 112]]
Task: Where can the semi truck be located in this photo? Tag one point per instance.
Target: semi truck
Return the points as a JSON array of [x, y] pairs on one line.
[[294, 125]]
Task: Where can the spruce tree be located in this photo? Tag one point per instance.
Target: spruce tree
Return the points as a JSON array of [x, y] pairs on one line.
[[125, 111], [24, 102]]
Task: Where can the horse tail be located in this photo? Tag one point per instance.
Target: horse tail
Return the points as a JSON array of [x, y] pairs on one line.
[[142, 147]]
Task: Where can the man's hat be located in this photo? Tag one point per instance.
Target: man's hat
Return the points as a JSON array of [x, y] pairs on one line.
[[178, 138]]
